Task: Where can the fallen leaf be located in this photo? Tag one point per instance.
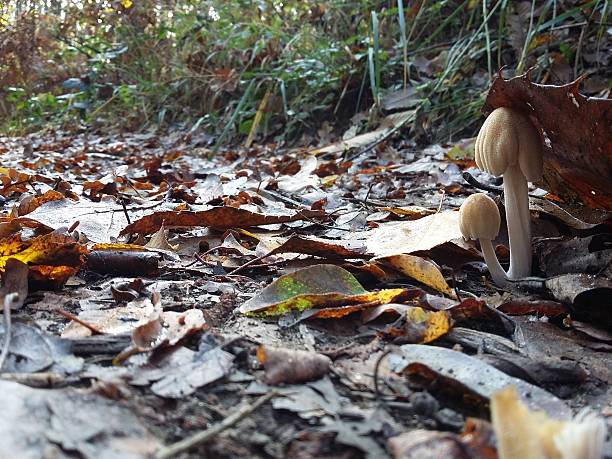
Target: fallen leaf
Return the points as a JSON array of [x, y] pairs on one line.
[[221, 218], [184, 371], [386, 126], [62, 422], [159, 240], [421, 270], [395, 238], [319, 286], [30, 205], [54, 249], [468, 380], [289, 366], [419, 326]]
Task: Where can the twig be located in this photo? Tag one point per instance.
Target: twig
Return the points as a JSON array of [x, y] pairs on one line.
[[74, 318], [127, 216], [8, 300], [34, 379], [443, 191], [455, 285], [205, 435], [482, 186], [376, 367], [249, 263]]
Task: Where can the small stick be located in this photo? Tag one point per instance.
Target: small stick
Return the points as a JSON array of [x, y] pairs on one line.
[[34, 379], [249, 263], [455, 285], [74, 318], [125, 211], [441, 200], [205, 435], [8, 299], [377, 393], [477, 184]]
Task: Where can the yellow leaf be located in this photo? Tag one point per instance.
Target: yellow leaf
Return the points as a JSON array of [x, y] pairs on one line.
[[126, 4], [428, 325], [419, 269]]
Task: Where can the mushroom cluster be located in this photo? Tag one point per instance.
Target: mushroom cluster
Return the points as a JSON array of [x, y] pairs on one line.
[[508, 144]]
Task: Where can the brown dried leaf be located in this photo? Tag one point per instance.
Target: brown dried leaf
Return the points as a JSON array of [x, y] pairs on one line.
[[288, 366], [218, 217]]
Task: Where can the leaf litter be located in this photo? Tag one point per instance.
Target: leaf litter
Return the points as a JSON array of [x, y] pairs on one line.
[[279, 280]]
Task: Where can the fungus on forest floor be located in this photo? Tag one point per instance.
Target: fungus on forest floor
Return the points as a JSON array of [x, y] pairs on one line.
[[479, 219], [508, 144]]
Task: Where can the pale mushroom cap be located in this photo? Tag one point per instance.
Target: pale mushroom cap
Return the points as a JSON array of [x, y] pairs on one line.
[[509, 138], [479, 217]]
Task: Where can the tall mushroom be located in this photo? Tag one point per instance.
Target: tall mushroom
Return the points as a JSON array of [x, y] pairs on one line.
[[508, 144], [479, 219]]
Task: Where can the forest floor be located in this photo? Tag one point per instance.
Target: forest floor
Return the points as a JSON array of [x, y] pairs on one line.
[[155, 310]]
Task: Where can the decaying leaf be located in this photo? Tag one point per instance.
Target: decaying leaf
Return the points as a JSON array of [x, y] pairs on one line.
[[468, 380], [162, 329], [420, 326], [53, 249], [319, 247], [320, 286], [121, 319], [66, 421], [159, 240], [182, 371], [289, 366], [578, 160]]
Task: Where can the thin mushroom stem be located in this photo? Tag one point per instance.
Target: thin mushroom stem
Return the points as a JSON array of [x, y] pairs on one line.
[[516, 201], [497, 272]]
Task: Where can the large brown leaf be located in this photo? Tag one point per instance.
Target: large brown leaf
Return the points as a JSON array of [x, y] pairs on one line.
[[217, 217], [578, 161]]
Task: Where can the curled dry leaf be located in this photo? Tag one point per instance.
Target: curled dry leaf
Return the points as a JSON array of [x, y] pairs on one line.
[[162, 328], [288, 366], [577, 161], [33, 202], [159, 240]]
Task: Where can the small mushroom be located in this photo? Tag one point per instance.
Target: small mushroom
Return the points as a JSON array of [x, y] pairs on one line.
[[479, 219], [508, 144]]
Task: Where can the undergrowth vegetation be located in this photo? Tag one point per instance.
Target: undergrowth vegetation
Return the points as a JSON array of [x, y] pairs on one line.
[[276, 70]]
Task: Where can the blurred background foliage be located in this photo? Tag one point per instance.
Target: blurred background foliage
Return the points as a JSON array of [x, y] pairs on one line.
[[288, 66]]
